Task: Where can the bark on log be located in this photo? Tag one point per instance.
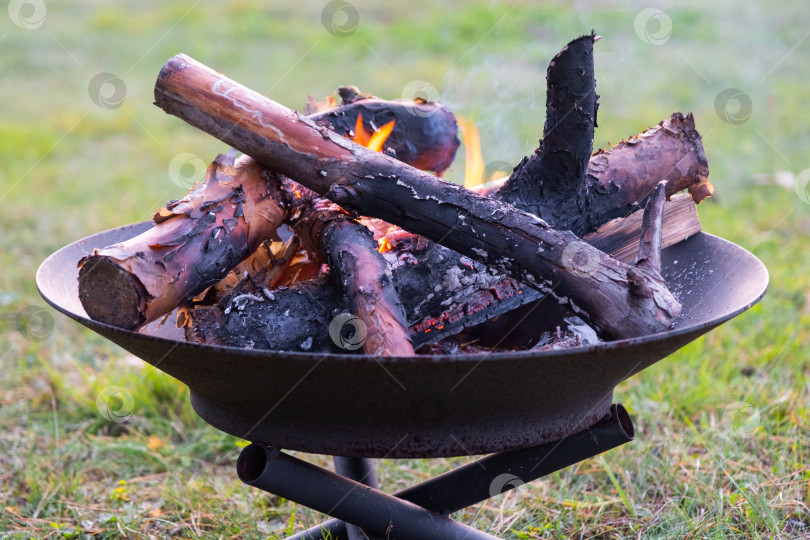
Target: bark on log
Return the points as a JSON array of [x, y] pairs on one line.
[[619, 179], [193, 244], [554, 183], [376, 319], [425, 134], [623, 301], [443, 294]]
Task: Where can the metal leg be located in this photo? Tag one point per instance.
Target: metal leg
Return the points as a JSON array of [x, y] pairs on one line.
[[360, 470], [377, 512], [472, 483]]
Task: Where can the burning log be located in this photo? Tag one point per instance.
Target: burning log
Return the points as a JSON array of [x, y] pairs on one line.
[[425, 134], [138, 274], [193, 244], [377, 321], [442, 295], [623, 301], [439, 299]]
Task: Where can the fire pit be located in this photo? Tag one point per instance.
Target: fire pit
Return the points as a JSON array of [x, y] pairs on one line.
[[534, 410], [361, 406]]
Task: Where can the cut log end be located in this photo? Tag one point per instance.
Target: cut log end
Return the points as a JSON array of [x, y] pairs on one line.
[[110, 294]]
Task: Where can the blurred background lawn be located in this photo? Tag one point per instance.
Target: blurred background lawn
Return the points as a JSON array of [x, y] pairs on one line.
[[723, 430]]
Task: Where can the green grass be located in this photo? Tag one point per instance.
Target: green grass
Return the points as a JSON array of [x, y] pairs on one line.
[[70, 168]]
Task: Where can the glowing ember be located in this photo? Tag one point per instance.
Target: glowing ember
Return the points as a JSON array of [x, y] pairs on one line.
[[373, 140], [384, 245], [473, 159]]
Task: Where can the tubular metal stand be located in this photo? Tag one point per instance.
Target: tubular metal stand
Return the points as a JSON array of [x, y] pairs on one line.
[[421, 512]]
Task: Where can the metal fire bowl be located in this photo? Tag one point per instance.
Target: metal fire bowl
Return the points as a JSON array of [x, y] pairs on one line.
[[363, 406]]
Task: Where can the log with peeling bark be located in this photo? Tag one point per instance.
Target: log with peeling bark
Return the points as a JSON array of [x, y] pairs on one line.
[[376, 319], [624, 301], [570, 188], [194, 243], [442, 292], [425, 136]]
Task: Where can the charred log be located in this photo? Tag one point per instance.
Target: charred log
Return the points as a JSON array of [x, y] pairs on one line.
[[439, 299], [377, 185], [579, 193], [364, 277], [443, 294], [193, 244], [425, 133], [550, 183]]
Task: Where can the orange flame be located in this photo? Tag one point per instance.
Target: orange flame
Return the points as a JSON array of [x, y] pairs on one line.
[[373, 140], [384, 245], [473, 159]]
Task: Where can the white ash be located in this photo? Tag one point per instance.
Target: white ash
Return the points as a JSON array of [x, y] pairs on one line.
[[577, 334]]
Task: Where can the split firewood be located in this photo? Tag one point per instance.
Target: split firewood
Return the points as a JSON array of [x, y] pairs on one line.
[[620, 236], [623, 301], [376, 319], [194, 243]]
